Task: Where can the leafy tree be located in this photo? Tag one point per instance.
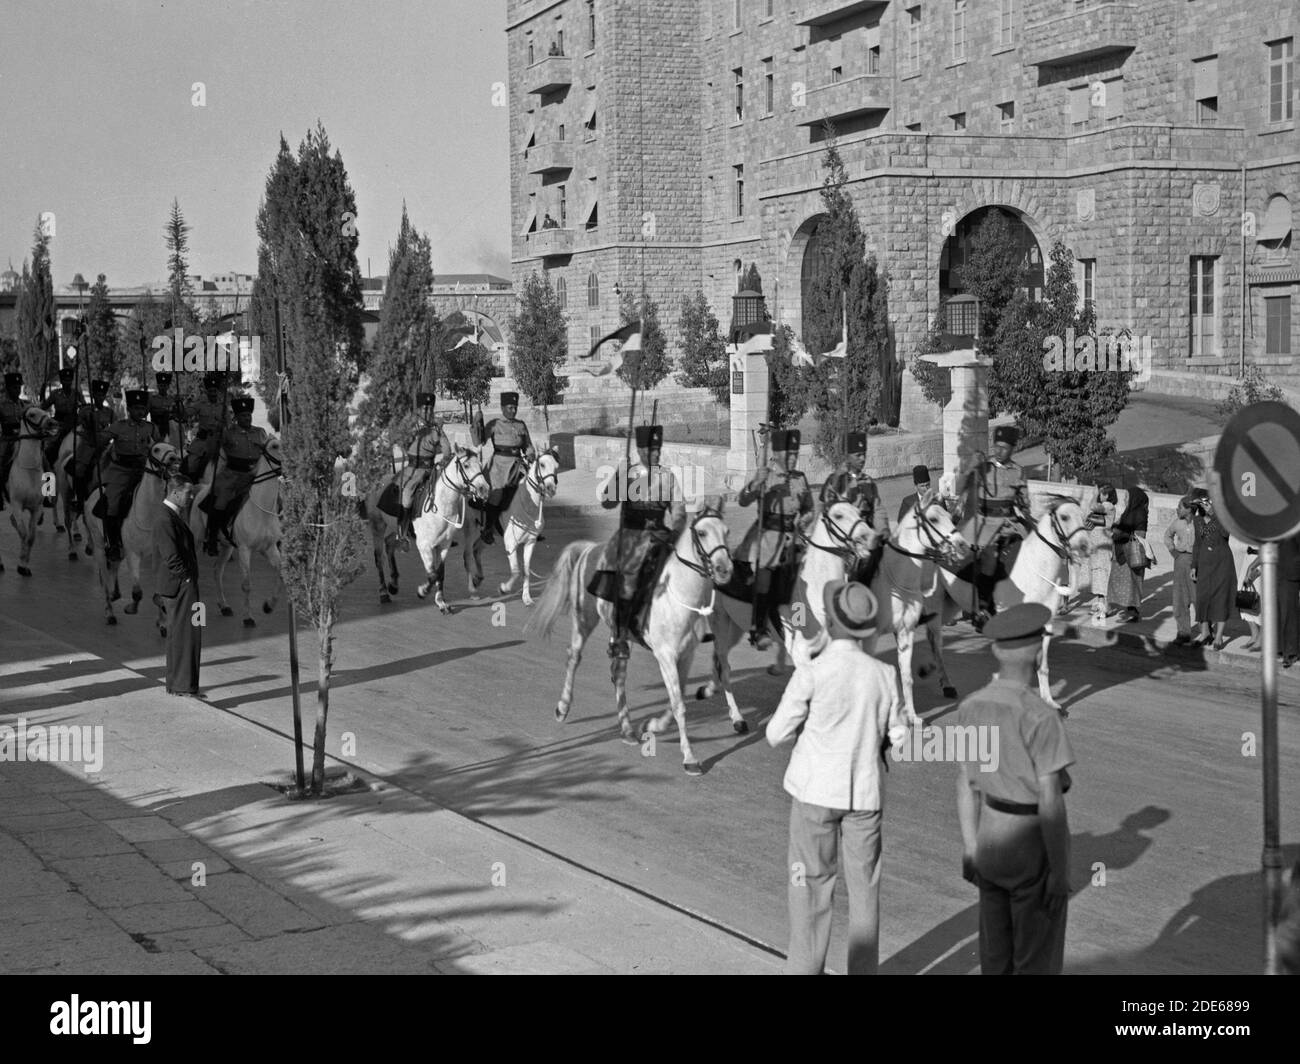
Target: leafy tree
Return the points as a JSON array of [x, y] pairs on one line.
[[935, 382], [703, 362], [1253, 388], [995, 269], [37, 334], [654, 364], [404, 344], [103, 354], [148, 320], [467, 374], [310, 252], [539, 345], [789, 386]]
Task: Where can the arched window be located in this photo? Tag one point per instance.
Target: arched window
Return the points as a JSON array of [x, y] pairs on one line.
[[739, 273], [561, 292], [593, 291]]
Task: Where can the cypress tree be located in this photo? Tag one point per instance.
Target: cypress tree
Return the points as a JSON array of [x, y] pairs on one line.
[[703, 362], [539, 344]]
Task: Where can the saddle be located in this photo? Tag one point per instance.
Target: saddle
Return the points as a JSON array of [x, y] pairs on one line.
[[390, 500]]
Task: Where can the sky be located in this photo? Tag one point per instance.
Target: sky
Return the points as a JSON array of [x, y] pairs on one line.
[[98, 124]]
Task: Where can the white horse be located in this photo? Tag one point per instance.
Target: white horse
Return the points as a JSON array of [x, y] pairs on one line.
[[63, 495], [145, 503], [840, 535], [683, 595], [255, 530], [443, 512], [26, 480], [1060, 537], [907, 577], [523, 521]]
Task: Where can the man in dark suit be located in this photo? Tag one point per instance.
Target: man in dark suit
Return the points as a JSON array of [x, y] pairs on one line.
[[921, 490], [176, 575], [1288, 600]]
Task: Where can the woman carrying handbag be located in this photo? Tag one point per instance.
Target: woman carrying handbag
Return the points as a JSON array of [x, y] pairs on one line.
[[1132, 558], [1214, 572]]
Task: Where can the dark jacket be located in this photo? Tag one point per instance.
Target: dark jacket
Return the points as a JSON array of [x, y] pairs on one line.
[[1288, 559], [175, 559], [1133, 522]]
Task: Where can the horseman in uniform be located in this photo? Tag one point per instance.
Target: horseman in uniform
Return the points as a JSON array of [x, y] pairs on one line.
[[849, 484], [996, 503], [123, 466], [164, 409], [512, 450], [93, 421], [11, 426], [429, 449], [242, 444], [653, 516], [64, 405], [785, 511], [209, 416]]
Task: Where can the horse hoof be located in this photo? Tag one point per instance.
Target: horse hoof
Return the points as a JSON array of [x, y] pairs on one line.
[[701, 693], [421, 593], [692, 768], [739, 727], [112, 619], [72, 555], [628, 739], [950, 692], [560, 714], [392, 589], [24, 571], [227, 611], [131, 608], [528, 600], [385, 597], [444, 609]]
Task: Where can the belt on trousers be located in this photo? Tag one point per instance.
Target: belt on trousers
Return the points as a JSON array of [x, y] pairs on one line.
[[240, 465], [509, 452], [1014, 808]]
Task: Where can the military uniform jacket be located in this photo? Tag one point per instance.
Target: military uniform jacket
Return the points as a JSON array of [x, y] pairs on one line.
[[164, 409], [654, 513], [783, 504], [208, 417], [129, 442], [427, 444], [93, 422], [64, 406], [859, 489], [510, 442], [990, 510], [243, 447], [11, 418]]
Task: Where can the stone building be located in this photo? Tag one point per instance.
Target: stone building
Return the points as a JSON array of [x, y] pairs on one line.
[[680, 140]]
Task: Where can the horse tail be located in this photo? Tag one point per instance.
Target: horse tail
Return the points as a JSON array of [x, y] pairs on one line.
[[559, 595]]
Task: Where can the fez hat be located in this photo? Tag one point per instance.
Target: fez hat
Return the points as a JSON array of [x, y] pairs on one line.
[[1019, 626], [242, 404], [137, 397], [649, 435], [13, 380], [785, 440], [920, 475], [509, 398], [425, 398], [99, 387], [212, 380], [1008, 434], [855, 443], [850, 609], [67, 374], [162, 377]]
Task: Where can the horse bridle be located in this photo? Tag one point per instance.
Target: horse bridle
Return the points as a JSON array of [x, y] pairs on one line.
[[1062, 548], [463, 488], [705, 566], [846, 548], [275, 467], [938, 543], [35, 433], [540, 485]]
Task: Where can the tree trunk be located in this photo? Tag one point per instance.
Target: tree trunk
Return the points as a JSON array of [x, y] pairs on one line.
[[324, 669]]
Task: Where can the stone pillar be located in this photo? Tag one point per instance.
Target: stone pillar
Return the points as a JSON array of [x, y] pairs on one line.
[[966, 414], [749, 386]]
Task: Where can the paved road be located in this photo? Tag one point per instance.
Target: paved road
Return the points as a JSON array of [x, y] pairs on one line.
[[1165, 807]]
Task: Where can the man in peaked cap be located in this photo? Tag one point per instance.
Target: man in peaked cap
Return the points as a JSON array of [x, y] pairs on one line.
[[428, 452], [93, 421], [1015, 835], [166, 410], [997, 510], [847, 703], [654, 514], [512, 449], [127, 451], [922, 491], [785, 510], [63, 404], [850, 484], [11, 427], [242, 444], [209, 418]]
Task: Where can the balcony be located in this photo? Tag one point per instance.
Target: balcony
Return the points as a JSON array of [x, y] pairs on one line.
[[550, 158], [551, 73], [847, 99], [1104, 29], [550, 243], [822, 12]]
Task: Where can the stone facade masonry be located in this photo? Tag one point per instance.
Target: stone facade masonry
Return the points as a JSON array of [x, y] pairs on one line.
[[1132, 181]]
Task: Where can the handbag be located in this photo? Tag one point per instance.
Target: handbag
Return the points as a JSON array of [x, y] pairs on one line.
[[1248, 598], [1135, 555]]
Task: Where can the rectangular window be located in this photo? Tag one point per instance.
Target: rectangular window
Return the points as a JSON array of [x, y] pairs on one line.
[[1006, 24], [913, 40], [594, 333], [1207, 111], [1277, 319], [1279, 81], [1080, 104], [735, 15], [769, 86], [958, 30], [768, 5], [1114, 99], [873, 59], [559, 42], [740, 93], [958, 122], [1088, 284], [1007, 116], [531, 54], [560, 133], [740, 191], [564, 207], [837, 75], [913, 127], [591, 25], [1201, 302]]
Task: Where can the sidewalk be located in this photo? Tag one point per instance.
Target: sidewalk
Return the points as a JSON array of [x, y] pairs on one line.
[[179, 856]]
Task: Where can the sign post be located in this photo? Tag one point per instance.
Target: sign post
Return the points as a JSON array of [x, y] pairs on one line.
[[1258, 502]]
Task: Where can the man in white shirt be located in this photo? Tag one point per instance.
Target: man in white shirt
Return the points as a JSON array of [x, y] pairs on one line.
[[847, 703]]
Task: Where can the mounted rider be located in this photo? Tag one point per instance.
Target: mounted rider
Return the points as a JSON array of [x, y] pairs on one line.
[[512, 450], [64, 405], [242, 445], [209, 418], [123, 465], [428, 450], [850, 484], [996, 502], [785, 514], [12, 409], [165, 409], [653, 516], [93, 421]]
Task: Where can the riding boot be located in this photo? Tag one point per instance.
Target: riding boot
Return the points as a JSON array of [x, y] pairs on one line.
[[216, 519], [758, 636], [489, 524], [113, 538], [618, 642]]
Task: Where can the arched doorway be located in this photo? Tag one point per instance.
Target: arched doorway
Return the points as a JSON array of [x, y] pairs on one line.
[[957, 249], [816, 265]]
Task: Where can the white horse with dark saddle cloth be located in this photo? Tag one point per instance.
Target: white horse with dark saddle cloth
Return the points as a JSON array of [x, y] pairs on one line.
[[443, 513]]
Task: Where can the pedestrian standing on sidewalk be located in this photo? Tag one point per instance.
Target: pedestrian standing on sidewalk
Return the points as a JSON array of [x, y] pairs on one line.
[[1124, 589], [1180, 540], [1214, 572], [176, 576], [847, 703], [1288, 600], [1015, 836], [1101, 518]]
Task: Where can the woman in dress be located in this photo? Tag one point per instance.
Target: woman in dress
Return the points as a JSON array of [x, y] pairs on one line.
[[1214, 573], [1251, 617], [1101, 519], [1125, 587]]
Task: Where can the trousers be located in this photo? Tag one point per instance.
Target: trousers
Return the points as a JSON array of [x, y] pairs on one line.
[[1184, 592], [822, 841], [1022, 927], [1288, 617], [184, 640]]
